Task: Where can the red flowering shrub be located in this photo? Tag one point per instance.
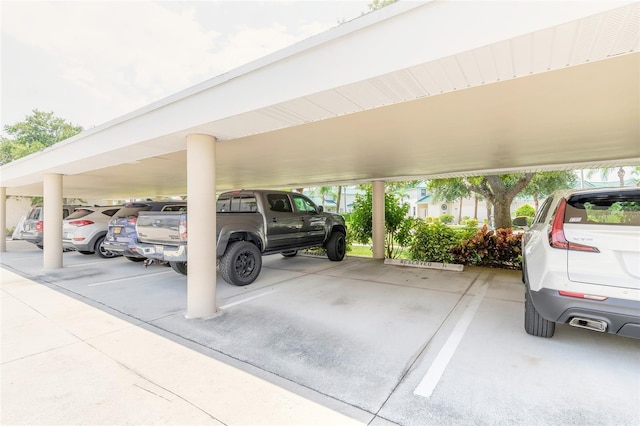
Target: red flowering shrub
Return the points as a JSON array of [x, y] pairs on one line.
[[500, 248]]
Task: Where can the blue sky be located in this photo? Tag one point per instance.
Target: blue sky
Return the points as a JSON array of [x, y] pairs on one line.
[[91, 61]]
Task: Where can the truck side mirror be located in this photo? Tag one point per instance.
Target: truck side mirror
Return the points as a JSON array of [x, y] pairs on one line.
[[319, 209]]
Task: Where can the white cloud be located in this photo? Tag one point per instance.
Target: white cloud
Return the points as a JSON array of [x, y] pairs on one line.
[[123, 55]]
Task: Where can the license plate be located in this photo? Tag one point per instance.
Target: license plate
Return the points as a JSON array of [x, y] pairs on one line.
[[160, 250], [117, 230], [68, 235]]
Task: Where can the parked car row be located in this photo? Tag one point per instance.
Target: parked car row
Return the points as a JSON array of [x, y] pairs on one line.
[[107, 231]]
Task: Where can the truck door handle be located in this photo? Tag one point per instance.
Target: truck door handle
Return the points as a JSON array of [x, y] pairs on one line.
[[275, 219]]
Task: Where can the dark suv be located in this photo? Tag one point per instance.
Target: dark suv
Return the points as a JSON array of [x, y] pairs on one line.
[[121, 235], [34, 224]]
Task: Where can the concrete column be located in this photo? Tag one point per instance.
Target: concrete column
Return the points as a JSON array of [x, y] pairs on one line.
[[378, 219], [3, 218], [201, 226], [52, 192]]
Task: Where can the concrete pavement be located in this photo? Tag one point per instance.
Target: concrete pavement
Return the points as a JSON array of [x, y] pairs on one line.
[[105, 341]]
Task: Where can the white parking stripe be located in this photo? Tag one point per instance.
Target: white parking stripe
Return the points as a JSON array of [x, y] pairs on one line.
[[228, 305], [433, 376], [130, 278]]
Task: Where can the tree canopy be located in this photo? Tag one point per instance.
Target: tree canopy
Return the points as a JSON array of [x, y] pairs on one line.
[[38, 131], [500, 190]]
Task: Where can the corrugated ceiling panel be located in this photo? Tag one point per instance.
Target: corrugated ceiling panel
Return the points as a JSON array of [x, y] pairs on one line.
[[439, 76], [454, 73], [629, 39], [564, 37], [365, 95], [334, 102], [307, 110], [610, 27], [486, 64], [585, 37], [542, 42], [400, 86], [522, 55], [469, 67], [503, 59], [423, 77]]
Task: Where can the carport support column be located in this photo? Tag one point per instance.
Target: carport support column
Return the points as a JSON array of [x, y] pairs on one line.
[[378, 219], [201, 223], [3, 218], [52, 223]]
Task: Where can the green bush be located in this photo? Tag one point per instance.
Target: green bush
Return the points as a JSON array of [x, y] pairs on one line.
[[471, 223], [432, 242], [446, 218], [500, 248], [526, 210]]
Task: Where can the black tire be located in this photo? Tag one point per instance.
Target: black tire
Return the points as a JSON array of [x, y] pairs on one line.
[[102, 252], [179, 267], [336, 246], [86, 253], [534, 323], [135, 259], [290, 253], [241, 263]]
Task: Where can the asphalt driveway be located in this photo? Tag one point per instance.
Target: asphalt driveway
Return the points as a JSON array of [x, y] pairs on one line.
[[378, 344]]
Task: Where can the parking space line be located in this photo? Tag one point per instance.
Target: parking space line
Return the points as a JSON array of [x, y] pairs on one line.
[[441, 361], [79, 265], [130, 278], [228, 305]]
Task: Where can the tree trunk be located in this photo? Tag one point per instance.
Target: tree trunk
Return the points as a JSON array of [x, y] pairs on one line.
[[338, 199], [475, 207], [621, 173], [502, 212], [489, 212], [460, 211], [536, 202]]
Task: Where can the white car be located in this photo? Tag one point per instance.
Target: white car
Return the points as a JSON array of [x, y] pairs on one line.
[[84, 230], [581, 262]]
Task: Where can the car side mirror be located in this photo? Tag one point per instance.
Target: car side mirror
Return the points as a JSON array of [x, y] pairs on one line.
[[319, 209], [521, 221]]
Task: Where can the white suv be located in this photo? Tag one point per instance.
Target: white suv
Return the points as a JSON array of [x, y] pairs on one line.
[[581, 262], [84, 230]]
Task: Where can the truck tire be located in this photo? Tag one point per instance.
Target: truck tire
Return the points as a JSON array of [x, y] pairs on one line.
[[241, 263], [534, 323], [290, 253], [336, 246], [179, 267]]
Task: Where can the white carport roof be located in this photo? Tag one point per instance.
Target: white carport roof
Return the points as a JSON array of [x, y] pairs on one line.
[[416, 89]]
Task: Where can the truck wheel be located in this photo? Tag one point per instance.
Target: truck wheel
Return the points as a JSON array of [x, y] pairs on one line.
[[534, 324], [241, 263], [179, 267], [290, 253], [336, 247], [102, 252]]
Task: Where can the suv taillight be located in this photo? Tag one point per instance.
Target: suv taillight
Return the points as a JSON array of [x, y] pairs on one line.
[[556, 236], [83, 222], [39, 226], [182, 229]]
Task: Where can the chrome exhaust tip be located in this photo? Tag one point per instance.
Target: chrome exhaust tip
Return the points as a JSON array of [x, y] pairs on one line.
[[589, 324]]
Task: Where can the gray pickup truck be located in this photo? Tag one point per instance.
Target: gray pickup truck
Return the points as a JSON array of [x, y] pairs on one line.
[[249, 224]]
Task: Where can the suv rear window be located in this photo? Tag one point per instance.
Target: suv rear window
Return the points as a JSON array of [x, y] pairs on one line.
[[79, 213], [609, 208]]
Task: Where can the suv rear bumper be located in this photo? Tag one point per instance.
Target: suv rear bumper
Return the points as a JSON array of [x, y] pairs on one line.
[[121, 248], [621, 316]]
